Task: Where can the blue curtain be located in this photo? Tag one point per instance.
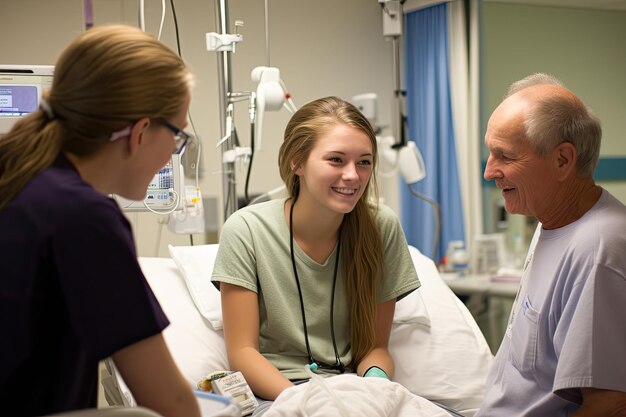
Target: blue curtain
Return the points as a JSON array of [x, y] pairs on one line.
[[429, 113]]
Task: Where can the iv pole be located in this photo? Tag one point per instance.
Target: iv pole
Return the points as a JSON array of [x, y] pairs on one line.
[[270, 95], [229, 190], [399, 96]]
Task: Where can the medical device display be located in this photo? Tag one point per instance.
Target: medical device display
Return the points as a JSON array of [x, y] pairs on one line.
[[164, 192], [20, 91]]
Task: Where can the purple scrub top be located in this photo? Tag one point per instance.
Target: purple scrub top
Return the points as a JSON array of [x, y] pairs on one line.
[[71, 293]]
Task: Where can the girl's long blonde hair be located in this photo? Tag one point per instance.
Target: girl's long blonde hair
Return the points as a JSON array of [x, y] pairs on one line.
[[361, 243], [107, 78]]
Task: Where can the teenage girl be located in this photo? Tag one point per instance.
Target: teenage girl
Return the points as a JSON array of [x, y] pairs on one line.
[[313, 279]]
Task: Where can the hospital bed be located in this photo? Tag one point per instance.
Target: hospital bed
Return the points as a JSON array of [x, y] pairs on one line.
[[439, 351]]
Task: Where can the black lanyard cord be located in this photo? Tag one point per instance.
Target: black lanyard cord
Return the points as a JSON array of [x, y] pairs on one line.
[[332, 310], [338, 365]]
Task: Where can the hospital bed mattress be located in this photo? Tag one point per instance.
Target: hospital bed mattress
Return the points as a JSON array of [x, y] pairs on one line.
[[439, 351]]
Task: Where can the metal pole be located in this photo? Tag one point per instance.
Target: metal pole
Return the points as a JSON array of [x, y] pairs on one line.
[[396, 62], [229, 184], [267, 33], [398, 125]]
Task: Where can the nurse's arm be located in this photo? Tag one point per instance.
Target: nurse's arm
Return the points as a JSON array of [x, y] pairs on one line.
[[154, 379]]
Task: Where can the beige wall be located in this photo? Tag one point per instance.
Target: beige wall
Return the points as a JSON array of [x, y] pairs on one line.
[[322, 47], [582, 47]]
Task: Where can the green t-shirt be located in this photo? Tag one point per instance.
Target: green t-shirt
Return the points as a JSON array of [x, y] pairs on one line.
[[254, 253]]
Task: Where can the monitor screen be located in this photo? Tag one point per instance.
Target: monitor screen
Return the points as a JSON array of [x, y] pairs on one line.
[[21, 87]]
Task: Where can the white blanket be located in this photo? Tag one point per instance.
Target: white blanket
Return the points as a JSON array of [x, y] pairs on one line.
[[351, 396]]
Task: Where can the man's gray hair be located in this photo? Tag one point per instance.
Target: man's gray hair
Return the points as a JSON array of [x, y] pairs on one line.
[[561, 118], [534, 79]]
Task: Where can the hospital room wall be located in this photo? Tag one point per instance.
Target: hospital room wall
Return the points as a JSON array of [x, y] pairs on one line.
[[327, 47], [582, 47], [322, 47]]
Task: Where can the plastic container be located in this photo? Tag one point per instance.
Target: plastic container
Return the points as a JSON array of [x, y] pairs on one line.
[[457, 257]]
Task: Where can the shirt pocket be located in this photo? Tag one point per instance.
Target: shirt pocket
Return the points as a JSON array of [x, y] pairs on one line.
[[524, 337]]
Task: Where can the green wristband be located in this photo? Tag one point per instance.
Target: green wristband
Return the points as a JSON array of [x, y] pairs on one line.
[[375, 371]]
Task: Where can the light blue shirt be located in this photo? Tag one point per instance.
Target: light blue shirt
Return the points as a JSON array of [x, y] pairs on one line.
[[566, 327]]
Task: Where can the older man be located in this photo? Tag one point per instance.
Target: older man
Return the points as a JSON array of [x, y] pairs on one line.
[[564, 352]]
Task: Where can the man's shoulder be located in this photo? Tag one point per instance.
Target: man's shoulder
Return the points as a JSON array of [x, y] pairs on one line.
[[613, 204], [609, 217]]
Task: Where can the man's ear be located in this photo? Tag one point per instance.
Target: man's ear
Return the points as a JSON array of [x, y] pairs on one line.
[[137, 134], [566, 157]]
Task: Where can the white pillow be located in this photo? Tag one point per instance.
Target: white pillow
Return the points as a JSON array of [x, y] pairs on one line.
[[196, 266], [196, 347], [449, 361]]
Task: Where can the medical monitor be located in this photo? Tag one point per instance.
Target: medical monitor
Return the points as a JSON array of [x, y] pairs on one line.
[[165, 192], [21, 87]]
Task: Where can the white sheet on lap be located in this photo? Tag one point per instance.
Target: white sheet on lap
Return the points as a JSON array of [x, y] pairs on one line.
[[361, 397]]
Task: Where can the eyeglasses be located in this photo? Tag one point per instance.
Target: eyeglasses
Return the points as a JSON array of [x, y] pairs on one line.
[[180, 136]]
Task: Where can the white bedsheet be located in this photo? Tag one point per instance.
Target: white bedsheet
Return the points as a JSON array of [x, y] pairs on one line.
[[352, 396]]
